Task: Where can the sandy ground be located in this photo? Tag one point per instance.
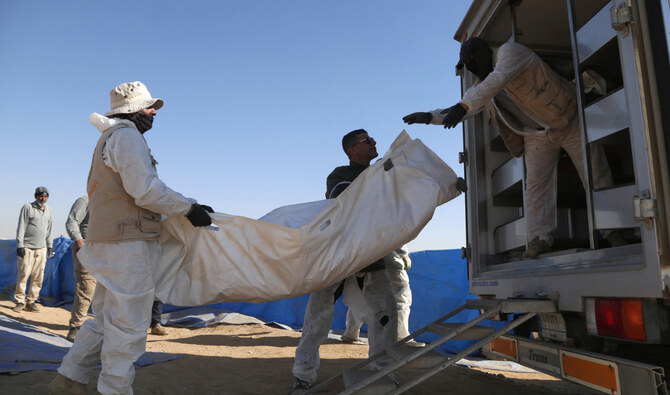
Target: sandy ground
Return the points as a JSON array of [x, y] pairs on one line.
[[257, 359]]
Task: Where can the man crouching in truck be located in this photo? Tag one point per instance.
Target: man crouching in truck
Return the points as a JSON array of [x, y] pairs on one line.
[[535, 111]]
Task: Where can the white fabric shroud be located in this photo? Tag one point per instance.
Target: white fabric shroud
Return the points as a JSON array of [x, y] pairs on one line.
[[257, 261]]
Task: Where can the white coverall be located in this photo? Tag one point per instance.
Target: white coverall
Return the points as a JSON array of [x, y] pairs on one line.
[[370, 305], [124, 271], [542, 138], [397, 272]]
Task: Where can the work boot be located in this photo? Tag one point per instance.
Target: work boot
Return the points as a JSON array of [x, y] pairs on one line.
[[159, 330], [72, 333], [32, 306], [300, 387], [19, 307], [536, 247], [61, 385]]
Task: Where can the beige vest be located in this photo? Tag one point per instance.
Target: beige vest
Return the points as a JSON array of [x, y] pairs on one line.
[[113, 214], [544, 96]]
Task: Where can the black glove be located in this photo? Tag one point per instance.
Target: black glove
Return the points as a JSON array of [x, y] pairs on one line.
[[418, 117], [454, 115], [461, 185], [50, 253], [20, 252], [207, 208], [198, 216]]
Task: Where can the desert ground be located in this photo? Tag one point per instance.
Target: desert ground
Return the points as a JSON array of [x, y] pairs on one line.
[[257, 359]]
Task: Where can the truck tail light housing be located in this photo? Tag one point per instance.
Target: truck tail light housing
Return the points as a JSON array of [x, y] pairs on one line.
[[620, 318]]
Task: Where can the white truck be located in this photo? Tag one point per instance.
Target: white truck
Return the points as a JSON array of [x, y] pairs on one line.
[[609, 294]]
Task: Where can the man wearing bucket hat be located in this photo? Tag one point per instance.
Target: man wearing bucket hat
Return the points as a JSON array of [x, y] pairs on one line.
[[535, 111], [126, 200], [33, 245]]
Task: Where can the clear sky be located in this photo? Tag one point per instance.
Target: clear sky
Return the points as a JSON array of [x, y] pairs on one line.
[[258, 95]]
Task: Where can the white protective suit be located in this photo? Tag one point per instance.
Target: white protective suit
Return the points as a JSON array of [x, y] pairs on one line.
[[124, 271], [373, 304], [543, 111], [397, 271]]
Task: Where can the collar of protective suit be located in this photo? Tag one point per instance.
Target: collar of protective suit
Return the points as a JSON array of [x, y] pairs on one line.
[[102, 123]]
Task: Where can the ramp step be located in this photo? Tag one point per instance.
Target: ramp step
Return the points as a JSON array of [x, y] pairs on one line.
[[428, 360], [382, 386], [444, 329], [514, 305]]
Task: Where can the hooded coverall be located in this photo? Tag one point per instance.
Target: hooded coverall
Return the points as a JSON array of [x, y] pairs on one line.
[[368, 295], [535, 111], [123, 269]]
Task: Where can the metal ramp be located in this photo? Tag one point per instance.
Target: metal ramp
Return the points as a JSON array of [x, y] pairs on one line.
[[358, 379]]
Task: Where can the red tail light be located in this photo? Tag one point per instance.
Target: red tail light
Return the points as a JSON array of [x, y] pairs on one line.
[[620, 318]]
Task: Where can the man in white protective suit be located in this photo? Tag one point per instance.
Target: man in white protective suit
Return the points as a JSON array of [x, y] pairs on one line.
[[126, 200], [368, 293], [535, 111], [397, 264]]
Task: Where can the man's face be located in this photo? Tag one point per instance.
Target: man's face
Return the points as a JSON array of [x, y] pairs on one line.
[[364, 149], [42, 199]]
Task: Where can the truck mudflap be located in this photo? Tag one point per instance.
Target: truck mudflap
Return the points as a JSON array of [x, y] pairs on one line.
[[600, 372]]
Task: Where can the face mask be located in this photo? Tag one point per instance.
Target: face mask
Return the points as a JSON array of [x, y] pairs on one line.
[[482, 63], [142, 121]]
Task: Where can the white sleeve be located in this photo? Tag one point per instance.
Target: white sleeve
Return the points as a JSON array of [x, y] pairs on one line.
[[127, 153], [512, 59]]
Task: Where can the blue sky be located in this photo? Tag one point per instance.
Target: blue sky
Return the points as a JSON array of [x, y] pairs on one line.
[[258, 95]]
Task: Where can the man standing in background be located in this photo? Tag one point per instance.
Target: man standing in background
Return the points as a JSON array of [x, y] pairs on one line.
[[84, 283], [33, 245]]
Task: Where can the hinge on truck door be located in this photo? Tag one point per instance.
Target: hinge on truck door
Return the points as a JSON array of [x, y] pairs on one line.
[[462, 157], [621, 17], [644, 208]]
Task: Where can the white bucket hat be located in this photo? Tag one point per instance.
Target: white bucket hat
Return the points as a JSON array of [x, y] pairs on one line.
[[131, 97]]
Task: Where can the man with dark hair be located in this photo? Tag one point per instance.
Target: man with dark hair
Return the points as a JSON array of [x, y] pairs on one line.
[[535, 111], [33, 245], [367, 293], [84, 283], [126, 200]]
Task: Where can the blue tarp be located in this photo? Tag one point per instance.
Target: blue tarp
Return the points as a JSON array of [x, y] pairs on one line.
[[438, 280]]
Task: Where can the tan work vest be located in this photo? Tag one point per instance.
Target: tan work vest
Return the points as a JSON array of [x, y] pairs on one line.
[[544, 96], [113, 214]]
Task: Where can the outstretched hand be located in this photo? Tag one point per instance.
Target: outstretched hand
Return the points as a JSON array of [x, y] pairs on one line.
[[454, 115], [418, 117]]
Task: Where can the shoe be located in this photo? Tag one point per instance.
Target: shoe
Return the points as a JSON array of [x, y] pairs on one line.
[[414, 343], [349, 340], [19, 307], [536, 247], [32, 306], [61, 385], [71, 334], [159, 330], [300, 387]]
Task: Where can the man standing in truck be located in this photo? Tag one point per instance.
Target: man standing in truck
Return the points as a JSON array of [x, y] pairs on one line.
[[535, 111]]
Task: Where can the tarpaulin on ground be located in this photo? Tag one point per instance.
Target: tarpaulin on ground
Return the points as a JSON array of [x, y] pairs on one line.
[[26, 347], [250, 260]]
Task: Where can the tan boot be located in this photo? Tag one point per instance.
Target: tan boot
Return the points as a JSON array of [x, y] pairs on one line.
[[159, 330], [61, 385]]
